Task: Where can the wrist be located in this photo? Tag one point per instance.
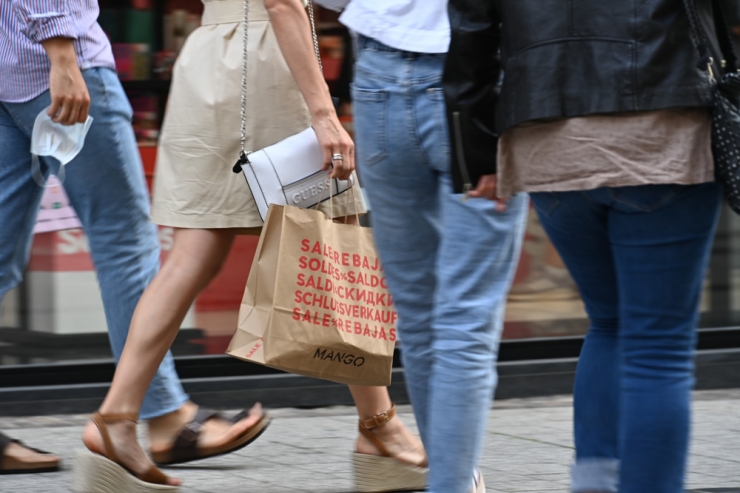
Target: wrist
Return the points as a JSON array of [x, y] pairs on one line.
[[322, 113], [60, 51]]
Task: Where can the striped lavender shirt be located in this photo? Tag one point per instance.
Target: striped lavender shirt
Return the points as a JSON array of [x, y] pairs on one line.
[[24, 24]]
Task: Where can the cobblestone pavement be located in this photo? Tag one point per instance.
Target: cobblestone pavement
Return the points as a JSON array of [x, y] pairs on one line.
[[528, 448]]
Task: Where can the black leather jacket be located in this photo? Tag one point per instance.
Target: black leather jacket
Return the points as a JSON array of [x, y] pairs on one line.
[[563, 58]]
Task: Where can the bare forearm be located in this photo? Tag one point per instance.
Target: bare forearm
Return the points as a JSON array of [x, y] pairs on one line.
[[293, 33], [60, 51], [70, 100]]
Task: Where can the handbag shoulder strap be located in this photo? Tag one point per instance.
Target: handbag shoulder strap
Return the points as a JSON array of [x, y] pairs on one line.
[[700, 40], [245, 57]]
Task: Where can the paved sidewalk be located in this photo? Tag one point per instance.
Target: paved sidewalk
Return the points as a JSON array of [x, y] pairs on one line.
[[528, 449]]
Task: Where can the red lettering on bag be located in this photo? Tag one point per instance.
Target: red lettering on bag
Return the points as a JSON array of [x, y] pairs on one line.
[[302, 262], [254, 349], [305, 244]]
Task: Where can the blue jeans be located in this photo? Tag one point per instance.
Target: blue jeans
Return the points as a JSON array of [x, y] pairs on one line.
[[449, 262], [639, 256], [105, 184]]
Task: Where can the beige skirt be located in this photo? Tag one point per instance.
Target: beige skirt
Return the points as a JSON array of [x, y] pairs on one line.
[[194, 186]]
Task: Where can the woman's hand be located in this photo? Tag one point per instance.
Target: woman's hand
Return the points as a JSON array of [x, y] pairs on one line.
[[339, 150], [487, 189]]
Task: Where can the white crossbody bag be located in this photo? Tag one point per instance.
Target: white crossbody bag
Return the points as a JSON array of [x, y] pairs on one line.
[[289, 172]]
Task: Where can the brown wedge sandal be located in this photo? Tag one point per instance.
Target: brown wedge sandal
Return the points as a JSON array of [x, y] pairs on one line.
[[385, 473], [96, 473]]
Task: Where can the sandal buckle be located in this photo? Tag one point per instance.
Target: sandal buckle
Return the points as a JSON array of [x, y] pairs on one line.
[[379, 419], [190, 432]]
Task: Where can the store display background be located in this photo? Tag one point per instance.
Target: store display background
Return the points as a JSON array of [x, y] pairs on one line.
[[61, 285]]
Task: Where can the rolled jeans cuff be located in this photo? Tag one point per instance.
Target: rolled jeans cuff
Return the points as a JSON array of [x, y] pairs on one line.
[[595, 474]]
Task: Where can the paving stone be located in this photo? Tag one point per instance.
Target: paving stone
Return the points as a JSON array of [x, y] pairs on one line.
[[528, 448]]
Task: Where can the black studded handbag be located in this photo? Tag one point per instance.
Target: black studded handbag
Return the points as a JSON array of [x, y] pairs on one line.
[[726, 100]]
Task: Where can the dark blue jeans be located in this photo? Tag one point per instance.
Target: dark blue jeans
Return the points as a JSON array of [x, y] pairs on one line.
[[638, 255]]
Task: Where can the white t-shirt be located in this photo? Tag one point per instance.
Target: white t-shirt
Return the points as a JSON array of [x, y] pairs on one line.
[[420, 26]]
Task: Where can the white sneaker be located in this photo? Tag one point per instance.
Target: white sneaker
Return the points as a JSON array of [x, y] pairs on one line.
[[479, 486]]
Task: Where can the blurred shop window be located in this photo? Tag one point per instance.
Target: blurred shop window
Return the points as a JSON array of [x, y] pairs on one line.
[[733, 12]]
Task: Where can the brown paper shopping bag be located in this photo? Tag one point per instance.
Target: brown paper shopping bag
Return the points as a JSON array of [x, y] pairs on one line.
[[316, 301]]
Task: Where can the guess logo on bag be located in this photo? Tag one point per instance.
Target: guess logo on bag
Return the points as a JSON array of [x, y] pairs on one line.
[[307, 192]]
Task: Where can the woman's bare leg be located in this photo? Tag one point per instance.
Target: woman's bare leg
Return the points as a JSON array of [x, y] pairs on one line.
[[196, 257], [375, 400]]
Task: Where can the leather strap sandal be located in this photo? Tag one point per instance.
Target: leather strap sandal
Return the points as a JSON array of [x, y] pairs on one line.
[[185, 447], [12, 465], [97, 473], [385, 473]]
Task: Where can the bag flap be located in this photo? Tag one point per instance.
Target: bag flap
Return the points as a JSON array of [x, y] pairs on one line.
[[279, 160]]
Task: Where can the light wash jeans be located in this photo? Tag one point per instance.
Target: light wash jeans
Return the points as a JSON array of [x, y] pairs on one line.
[[639, 256], [106, 187], [449, 262]]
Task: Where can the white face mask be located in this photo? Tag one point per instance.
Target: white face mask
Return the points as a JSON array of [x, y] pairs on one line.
[[62, 142]]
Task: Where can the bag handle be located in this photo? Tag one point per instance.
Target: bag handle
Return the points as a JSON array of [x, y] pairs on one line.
[[331, 202], [700, 40], [245, 56]]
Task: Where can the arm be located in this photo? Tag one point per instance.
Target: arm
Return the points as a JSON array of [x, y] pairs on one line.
[[70, 101], [472, 70], [293, 33], [47, 22]]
